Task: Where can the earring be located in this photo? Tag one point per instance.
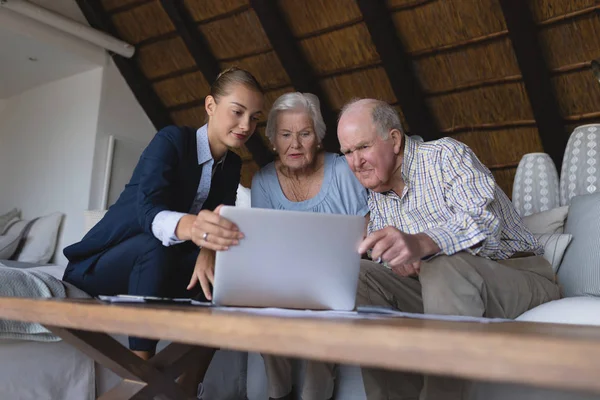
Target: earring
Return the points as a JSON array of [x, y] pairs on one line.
[[274, 149], [318, 146]]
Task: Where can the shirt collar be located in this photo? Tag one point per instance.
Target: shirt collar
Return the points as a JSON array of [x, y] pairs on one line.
[[203, 147], [411, 147]]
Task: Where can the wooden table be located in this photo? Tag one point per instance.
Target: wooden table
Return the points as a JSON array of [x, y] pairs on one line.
[[557, 356]]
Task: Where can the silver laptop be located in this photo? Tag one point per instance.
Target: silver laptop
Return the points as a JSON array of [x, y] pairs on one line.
[[290, 259]]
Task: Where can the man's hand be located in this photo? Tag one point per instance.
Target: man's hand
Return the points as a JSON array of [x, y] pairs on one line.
[[401, 251], [407, 269], [204, 272]]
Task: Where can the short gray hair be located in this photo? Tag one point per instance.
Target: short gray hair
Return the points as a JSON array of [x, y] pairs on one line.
[[384, 116], [296, 101]]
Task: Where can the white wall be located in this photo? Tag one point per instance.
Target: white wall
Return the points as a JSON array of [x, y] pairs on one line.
[[120, 116], [47, 139]]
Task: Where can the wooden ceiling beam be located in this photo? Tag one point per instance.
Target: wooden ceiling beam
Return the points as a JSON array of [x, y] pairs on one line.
[[398, 67], [523, 34], [196, 44], [295, 63], [139, 85]]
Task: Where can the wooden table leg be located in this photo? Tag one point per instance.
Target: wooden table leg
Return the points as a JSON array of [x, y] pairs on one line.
[[142, 379]]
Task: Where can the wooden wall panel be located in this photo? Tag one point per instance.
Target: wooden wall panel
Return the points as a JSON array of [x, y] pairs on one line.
[[571, 42], [439, 23], [543, 10], [110, 5], [502, 147], [143, 22], [193, 117], [482, 106], [309, 16], [339, 50], [164, 57], [235, 36], [182, 89], [490, 60], [577, 92], [366, 83], [201, 10], [266, 68]]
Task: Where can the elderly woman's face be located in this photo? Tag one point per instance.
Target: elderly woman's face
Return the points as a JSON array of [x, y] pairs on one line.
[[295, 140]]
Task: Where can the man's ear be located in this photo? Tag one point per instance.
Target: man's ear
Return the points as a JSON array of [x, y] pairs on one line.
[[398, 138], [209, 105]]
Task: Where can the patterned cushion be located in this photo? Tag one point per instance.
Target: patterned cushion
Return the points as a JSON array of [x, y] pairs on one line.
[[535, 187], [580, 172], [579, 273]]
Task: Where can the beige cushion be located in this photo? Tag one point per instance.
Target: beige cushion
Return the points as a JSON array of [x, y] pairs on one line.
[[91, 218], [39, 242], [551, 221]]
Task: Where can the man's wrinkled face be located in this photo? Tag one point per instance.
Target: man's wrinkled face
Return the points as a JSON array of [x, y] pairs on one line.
[[371, 158]]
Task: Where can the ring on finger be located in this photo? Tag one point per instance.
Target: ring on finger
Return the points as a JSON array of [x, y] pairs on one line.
[[205, 237]]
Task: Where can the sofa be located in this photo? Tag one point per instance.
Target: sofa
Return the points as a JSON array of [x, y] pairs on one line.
[[564, 214]]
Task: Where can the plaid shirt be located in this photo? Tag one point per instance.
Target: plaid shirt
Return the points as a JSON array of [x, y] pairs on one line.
[[453, 198]]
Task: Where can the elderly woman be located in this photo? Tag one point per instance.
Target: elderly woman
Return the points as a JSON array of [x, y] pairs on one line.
[[303, 178]]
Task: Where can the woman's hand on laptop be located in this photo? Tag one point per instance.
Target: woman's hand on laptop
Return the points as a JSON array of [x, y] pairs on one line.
[[204, 272], [214, 232]]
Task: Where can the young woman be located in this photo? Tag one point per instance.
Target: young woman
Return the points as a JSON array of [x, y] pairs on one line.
[[149, 241]]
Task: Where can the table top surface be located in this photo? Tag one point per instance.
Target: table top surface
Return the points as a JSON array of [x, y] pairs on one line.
[[562, 356]]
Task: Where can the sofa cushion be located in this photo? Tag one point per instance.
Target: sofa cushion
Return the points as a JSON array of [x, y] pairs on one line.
[[572, 310], [551, 221], [579, 272], [555, 245], [8, 217], [9, 242], [39, 241]]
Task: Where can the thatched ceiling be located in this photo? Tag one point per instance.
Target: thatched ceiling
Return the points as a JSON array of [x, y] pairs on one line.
[[507, 77]]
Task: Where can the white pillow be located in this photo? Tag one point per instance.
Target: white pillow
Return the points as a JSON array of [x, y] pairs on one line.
[[570, 310], [554, 245], [551, 221], [9, 242], [243, 197], [39, 241]]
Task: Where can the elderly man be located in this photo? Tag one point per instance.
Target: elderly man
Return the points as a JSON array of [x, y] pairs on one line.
[[450, 238]]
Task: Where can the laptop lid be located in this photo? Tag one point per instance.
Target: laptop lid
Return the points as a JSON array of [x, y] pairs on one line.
[[290, 259]]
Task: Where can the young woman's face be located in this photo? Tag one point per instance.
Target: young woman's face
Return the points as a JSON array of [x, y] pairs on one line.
[[234, 117]]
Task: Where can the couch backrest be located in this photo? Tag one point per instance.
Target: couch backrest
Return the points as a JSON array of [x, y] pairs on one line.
[[579, 272]]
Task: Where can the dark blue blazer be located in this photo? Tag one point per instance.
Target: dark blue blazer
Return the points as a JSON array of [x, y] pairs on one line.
[[165, 178]]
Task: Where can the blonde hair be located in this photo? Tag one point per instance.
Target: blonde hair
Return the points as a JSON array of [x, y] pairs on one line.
[[230, 77]]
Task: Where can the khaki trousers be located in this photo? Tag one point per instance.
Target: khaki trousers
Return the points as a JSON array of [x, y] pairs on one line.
[[461, 284], [318, 378]]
